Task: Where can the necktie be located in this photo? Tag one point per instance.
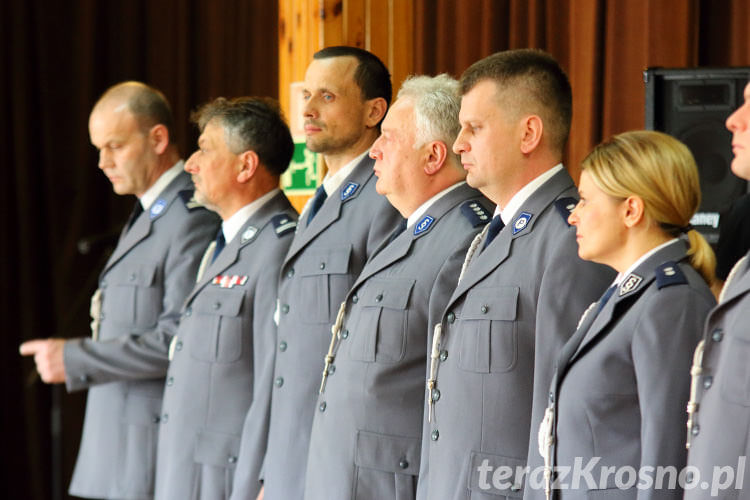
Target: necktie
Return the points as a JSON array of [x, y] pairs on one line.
[[607, 295], [317, 202], [137, 210], [399, 229], [495, 226], [220, 243]]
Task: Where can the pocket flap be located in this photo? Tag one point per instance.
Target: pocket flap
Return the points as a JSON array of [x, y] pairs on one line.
[[496, 475], [325, 261], [224, 302], [142, 275], [497, 303], [399, 455], [392, 293], [217, 448]]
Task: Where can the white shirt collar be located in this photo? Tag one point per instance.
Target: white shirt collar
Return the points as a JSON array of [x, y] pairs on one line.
[[524, 193], [414, 217], [161, 183], [232, 225], [332, 182], [641, 259]]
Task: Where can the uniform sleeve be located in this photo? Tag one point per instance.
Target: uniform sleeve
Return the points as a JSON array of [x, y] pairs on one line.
[[255, 429], [662, 349], [143, 355], [567, 286]]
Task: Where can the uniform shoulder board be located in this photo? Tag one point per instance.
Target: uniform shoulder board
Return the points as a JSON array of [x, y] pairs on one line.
[[283, 224], [565, 207], [188, 198], [477, 214], [669, 274]]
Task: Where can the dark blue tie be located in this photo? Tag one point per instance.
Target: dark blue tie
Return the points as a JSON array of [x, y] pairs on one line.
[[607, 295], [317, 202], [137, 210], [220, 244], [495, 226]]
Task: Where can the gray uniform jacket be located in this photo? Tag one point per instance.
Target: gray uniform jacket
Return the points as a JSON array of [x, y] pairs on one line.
[[143, 286], [516, 305], [720, 429], [222, 361], [318, 271], [620, 388], [367, 430]]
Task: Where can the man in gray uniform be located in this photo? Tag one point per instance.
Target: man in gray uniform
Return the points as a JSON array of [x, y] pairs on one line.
[[719, 408], [523, 288], [221, 360], [137, 307], [367, 431], [346, 92]]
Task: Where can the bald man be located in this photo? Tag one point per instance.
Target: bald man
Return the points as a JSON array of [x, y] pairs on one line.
[[137, 306]]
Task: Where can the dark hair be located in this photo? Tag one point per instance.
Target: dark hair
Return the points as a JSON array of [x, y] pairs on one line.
[[371, 75], [251, 123], [537, 83], [147, 104]]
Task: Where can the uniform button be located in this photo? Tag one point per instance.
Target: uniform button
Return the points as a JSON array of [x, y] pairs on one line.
[[290, 273], [103, 284], [178, 345], [188, 311], [285, 308], [688, 477], [551, 397], [515, 487], [435, 435], [282, 346], [717, 335], [232, 459], [379, 297], [156, 419], [435, 394], [101, 316], [451, 317], [443, 355], [170, 381], [131, 277], [708, 381], [279, 381], [164, 418], [322, 406], [216, 305], [695, 430], [83, 378], [322, 265], [355, 299], [485, 309], [403, 463], [345, 334], [331, 369]]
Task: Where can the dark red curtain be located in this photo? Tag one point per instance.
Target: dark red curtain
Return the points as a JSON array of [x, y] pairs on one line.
[[56, 58]]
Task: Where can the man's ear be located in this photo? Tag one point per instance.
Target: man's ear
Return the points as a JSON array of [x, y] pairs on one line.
[[376, 109], [159, 138], [532, 129], [248, 166], [436, 152]]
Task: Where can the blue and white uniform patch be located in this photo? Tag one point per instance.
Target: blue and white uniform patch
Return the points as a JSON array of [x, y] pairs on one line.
[[349, 190], [157, 208], [521, 222], [423, 224]]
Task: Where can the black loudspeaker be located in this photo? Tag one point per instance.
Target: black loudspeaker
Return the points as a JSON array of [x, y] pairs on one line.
[[692, 106]]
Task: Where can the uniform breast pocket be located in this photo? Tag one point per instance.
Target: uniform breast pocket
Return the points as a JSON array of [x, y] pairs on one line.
[[324, 282], [380, 329], [385, 467], [215, 332], [487, 330], [132, 297]]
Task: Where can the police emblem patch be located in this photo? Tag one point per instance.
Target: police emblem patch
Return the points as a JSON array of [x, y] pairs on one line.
[[629, 284], [248, 234], [349, 190], [157, 208], [423, 225], [521, 222]]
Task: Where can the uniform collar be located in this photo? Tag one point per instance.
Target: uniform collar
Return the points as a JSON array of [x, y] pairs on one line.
[[641, 260], [524, 193], [332, 182], [161, 184], [232, 225], [414, 217]]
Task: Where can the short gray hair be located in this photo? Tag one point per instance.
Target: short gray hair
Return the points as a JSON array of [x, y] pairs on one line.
[[437, 101]]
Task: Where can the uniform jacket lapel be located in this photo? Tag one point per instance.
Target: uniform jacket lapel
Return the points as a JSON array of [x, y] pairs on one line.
[[739, 285], [331, 209], [141, 228], [501, 246]]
